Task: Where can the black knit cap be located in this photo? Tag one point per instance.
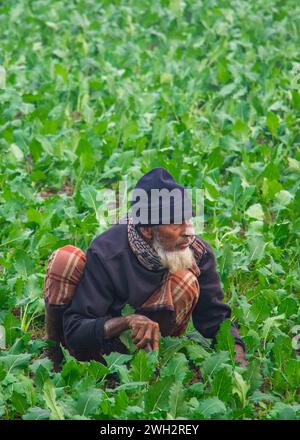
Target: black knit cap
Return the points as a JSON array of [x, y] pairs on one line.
[[157, 199]]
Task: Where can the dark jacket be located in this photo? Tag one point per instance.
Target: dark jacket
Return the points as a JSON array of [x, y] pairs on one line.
[[113, 277]]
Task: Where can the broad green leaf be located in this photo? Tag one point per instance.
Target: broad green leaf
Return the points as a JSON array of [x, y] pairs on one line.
[[157, 396], [253, 376], [282, 411], [196, 389], [259, 396], [170, 346], [14, 361], [272, 122], [294, 164], [140, 368], [292, 372], [2, 338], [71, 372], [24, 265], [210, 407], [222, 384], [288, 307], [89, 196], [130, 386], [97, 370], [36, 413], [49, 395], [282, 350], [177, 366], [45, 143], [197, 353], [25, 387], [19, 402], [116, 359], [123, 373], [225, 339], [296, 99], [12, 328], [197, 337], [241, 388], [227, 90], [255, 211], [212, 364], [121, 403], [177, 404], [261, 310], [41, 375], [252, 340], [88, 402], [270, 188], [17, 152], [46, 363], [283, 197], [2, 77], [274, 321], [271, 171]]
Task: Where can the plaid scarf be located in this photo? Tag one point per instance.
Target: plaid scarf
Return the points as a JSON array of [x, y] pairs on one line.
[[148, 257]]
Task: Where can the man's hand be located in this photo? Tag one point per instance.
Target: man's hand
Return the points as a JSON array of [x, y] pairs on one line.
[[144, 332], [240, 355]]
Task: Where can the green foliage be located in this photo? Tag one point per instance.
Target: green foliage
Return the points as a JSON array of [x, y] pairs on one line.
[[157, 397], [92, 96], [225, 340]]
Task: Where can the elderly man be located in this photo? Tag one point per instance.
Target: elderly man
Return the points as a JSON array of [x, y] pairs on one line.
[[164, 271]]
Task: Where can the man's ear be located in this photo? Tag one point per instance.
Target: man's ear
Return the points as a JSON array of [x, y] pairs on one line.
[[147, 232]]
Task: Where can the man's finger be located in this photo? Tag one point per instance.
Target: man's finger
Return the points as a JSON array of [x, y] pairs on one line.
[[148, 347], [156, 334], [139, 335], [155, 338], [146, 338], [134, 331]]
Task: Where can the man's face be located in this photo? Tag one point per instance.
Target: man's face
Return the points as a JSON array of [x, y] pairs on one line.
[[175, 237], [171, 242]]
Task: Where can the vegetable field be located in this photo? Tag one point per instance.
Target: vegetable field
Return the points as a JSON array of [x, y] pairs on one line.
[[92, 92]]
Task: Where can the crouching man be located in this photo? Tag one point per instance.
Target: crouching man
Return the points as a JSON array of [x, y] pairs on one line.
[[163, 270]]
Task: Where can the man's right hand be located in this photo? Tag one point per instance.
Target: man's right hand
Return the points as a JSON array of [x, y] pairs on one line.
[[144, 332]]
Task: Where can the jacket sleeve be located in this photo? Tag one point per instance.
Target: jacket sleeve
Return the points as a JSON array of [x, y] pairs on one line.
[[210, 310], [84, 320]]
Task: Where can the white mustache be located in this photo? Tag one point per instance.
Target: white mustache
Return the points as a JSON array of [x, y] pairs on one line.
[[174, 260]]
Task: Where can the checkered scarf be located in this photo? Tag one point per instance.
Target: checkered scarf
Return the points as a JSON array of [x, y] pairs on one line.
[[145, 253]]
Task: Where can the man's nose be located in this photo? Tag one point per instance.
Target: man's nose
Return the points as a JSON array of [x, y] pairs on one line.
[[188, 228]]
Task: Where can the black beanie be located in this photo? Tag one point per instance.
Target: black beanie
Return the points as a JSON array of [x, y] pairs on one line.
[[150, 207]]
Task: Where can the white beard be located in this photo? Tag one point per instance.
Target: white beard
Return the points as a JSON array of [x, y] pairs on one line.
[[174, 260]]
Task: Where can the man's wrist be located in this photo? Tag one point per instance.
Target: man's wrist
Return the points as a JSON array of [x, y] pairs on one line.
[[115, 326]]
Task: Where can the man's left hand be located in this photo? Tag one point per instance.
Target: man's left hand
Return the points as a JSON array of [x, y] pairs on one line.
[[240, 355]]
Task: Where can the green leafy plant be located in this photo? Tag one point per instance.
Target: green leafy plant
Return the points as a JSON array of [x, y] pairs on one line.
[[92, 96]]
